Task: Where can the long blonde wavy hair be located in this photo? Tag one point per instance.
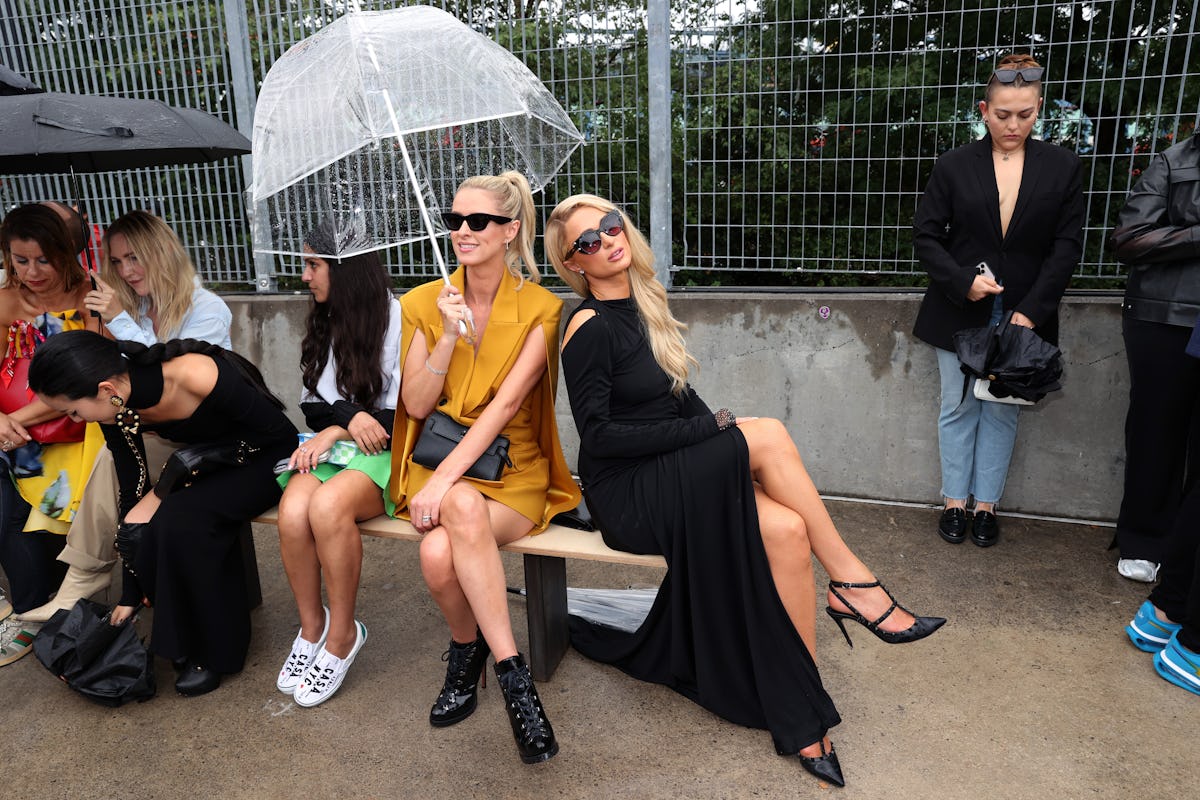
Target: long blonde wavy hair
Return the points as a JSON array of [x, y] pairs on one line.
[[664, 332], [169, 270], [512, 192]]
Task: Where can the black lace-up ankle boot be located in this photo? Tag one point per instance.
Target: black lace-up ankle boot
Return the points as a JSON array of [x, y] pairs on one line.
[[531, 729], [464, 666]]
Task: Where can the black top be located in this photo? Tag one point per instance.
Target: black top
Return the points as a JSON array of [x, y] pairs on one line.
[[957, 225], [234, 411], [621, 399]]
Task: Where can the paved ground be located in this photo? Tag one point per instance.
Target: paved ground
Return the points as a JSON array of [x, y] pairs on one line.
[[1030, 691]]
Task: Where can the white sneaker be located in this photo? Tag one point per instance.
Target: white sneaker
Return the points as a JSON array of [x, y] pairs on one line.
[[1138, 569], [299, 659], [5, 607], [327, 672], [16, 640]]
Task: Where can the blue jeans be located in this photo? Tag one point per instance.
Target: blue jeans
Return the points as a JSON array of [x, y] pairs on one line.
[[975, 437]]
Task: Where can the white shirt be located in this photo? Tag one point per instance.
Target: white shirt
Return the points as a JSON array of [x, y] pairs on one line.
[[208, 320], [389, 366]]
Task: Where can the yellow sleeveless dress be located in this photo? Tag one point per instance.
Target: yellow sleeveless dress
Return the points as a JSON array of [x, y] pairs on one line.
[[538, 484]]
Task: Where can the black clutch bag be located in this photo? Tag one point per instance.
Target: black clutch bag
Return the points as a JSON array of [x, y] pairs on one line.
[[190, 463], [442, 434]]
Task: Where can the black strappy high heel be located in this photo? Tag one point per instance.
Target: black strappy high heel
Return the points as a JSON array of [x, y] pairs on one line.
[[825, 766], [921, 627]]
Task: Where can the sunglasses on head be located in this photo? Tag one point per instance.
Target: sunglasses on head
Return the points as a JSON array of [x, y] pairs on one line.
[[588, 242], [475, 222], [1028, 74]]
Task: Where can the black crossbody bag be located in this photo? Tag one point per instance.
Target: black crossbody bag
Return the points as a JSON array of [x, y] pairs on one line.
[[442, 434]]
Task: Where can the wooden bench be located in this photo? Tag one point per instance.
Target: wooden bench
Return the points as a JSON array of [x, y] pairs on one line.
[[545, 557]]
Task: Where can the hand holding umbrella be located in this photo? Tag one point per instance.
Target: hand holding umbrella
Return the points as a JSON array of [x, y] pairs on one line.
[[102, 300]]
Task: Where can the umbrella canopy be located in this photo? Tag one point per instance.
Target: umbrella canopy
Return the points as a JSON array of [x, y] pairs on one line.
[[1014, 359], [55, 132], [15, 83], [379, 116]]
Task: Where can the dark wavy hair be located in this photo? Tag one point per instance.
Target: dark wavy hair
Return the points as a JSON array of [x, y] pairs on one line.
[[354, 319], [72, 364], [43, 225]]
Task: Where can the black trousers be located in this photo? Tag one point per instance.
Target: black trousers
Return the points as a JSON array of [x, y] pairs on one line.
[[1162, 435], [1178, 590], [29, 559]]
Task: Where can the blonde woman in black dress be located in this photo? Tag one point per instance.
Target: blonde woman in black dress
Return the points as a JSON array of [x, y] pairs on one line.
[[725, 499]]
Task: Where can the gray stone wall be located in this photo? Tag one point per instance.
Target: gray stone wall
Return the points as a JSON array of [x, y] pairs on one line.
[[858, 393]]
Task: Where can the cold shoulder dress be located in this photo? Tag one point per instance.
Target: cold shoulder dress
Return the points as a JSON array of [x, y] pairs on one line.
[[660, 477]]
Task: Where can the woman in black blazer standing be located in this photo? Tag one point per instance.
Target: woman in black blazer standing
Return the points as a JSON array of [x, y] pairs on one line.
[[999, 228]]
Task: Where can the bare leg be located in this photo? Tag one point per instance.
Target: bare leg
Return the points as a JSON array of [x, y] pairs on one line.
[[298, 550], [437, 567], [776, 465], [786, 541], [475, 528], [334, 511]]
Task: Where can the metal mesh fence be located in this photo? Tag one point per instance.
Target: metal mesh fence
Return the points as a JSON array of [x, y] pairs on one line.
[[802, 132], [809, 129], [172, 52]]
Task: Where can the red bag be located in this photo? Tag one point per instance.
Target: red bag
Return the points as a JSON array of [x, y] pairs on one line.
[[15, 393]]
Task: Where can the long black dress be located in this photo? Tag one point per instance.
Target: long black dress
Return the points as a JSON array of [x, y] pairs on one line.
[[660, 477], [190, 564]]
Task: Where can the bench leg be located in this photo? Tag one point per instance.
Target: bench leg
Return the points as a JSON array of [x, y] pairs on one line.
[[546, 608]]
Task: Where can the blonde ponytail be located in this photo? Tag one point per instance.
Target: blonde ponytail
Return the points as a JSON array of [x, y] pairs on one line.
[[515, 199]]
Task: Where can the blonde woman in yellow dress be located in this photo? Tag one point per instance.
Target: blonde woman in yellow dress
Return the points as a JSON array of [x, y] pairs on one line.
[[502, 382]]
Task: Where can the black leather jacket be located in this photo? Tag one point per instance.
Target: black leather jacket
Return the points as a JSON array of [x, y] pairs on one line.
[[1158, 236]]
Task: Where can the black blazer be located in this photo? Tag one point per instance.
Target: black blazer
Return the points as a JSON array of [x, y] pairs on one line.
[[957, 225]]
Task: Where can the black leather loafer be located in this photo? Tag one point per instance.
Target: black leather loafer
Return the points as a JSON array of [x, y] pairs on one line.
[[953, 525], [195, 680], [986, 530]]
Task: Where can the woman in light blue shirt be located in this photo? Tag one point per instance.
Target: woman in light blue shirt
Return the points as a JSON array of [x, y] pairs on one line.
[[148, 291]]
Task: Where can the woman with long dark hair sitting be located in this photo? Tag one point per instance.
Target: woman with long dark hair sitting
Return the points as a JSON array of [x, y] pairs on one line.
[[183, 556], [350, 371]]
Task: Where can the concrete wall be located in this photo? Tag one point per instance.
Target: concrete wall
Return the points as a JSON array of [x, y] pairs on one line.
[[858, 393]]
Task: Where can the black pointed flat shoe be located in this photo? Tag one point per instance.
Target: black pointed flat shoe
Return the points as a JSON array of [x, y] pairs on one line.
[[824, 767], [952, 526]]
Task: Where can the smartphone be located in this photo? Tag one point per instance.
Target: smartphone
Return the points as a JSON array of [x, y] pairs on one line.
[[983, 269], [281, 466]]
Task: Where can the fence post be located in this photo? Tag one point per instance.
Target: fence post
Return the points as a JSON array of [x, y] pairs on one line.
[[658, 67], [241, 74]]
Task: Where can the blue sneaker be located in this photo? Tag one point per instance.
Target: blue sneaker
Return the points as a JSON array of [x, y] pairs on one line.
[[1179, 665], [1147, 632]]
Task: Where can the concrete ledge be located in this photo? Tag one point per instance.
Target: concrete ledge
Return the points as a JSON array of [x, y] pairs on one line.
[[857, 392]]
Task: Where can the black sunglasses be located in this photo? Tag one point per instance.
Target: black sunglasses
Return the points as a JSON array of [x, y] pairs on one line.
[[1027, 74], [475, 222], [588, 242]]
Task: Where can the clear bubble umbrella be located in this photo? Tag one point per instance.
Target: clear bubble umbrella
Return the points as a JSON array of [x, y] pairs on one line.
[[375, 120]]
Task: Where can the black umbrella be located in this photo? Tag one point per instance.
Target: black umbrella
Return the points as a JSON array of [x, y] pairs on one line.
[[1012, 358], [52, 132], [55, 132], [15, 83]]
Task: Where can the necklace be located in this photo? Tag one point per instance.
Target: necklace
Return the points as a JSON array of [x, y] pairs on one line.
[[1005, 154]]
